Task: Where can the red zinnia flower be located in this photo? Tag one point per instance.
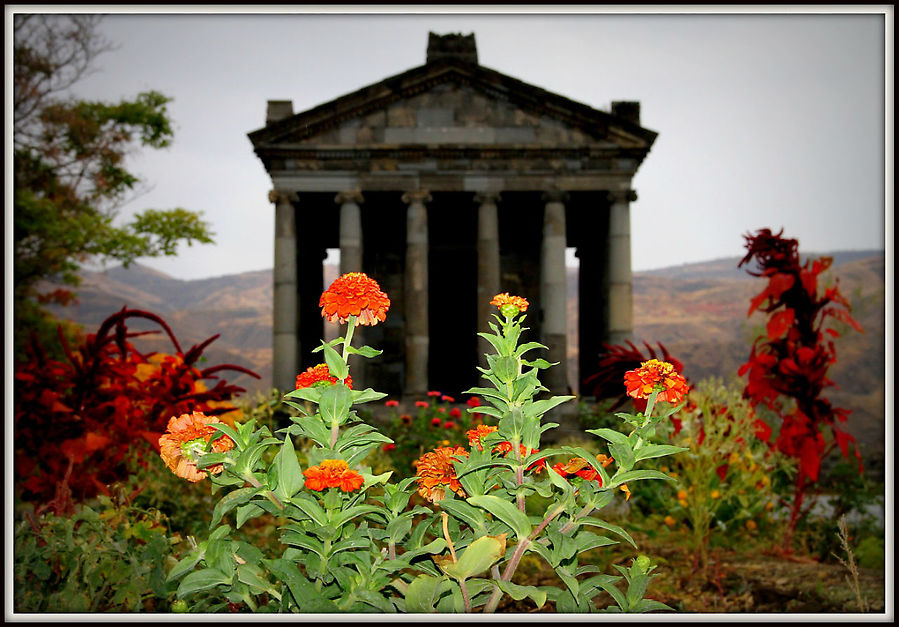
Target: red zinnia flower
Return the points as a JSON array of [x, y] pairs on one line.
[[449, 425], [474, 401], [355, 294], [388, 447], [391, 403], [435, 422], [320, 376], [433, 393], [406, 418], [456, 413], [656, 375], [448, 399], [184, 441], [475, 435], [422, 404]]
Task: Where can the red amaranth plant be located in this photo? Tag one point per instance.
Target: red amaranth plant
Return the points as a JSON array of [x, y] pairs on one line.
[[84, 413], [792, 360]]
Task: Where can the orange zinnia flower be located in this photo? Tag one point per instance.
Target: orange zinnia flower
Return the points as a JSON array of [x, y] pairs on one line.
[[355, 294], [184, 442], [435, 470], [656, 375], [510, 306], [320, 376], [332, 473]]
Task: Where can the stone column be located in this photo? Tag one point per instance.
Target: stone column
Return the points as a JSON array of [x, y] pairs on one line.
[[350, 231], [554, 292], [416, 293], [286, 345], [618, 267], [488, 265]]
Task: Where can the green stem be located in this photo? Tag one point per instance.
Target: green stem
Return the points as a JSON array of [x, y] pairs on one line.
[[348, 340], [268, 493]]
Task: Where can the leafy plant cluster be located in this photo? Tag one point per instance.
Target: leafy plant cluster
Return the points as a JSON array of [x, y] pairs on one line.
[[78, 421], [367, 547], [105, 558]]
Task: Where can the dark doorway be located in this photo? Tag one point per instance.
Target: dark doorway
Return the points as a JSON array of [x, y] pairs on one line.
[[452, 292]]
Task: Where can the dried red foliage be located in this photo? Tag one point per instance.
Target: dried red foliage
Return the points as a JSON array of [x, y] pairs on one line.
[[106, 396], [792, 360]]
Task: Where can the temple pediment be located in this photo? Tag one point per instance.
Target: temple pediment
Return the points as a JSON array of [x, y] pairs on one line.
[[451, 102]]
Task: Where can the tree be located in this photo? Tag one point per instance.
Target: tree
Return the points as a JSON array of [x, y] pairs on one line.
[[69, 171]]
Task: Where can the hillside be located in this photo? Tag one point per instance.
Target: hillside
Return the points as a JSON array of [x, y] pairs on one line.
[[698, 311]]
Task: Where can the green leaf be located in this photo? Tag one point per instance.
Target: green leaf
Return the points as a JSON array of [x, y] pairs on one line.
[[366, 395], [312, 427], [335, 403], [251, 575], [610, 434], [311, 508], [422, 594], [468, 514], [498, 343], [185, 565], [521, 350], [596, 522], [301, 539], [290, 476], [336, 365], [623, 454], [366, 351], [311, 394], [306, 597], [229, 502], [239, 442], [202, 580], [475, 559], [347, 515], [504, 511], [518, 592], [538, 408], [648, 451], [637, 475]]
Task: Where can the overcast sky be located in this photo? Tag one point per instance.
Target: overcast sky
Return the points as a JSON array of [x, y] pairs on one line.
[[763, 120]]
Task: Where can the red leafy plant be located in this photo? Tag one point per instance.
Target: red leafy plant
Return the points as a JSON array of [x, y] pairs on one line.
[[75, 420], [787, 367]]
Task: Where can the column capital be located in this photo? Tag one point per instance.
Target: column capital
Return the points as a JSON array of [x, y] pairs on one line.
[[555, 195], [487, 198], [418, 195], [621, 195], [348, 196], [280, 195]]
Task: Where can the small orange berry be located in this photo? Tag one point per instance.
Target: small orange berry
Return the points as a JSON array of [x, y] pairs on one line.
[[669, 520], [682, 495]]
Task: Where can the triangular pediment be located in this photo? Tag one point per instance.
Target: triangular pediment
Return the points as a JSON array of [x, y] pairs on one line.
[[452, 103]]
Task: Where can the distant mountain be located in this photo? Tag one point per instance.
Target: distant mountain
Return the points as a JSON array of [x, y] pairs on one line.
[[698, 311]]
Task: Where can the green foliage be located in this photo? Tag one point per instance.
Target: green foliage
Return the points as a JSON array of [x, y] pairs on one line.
[[724, 481], [106, 558]]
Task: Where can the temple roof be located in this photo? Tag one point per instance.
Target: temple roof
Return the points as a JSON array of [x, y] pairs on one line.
[[451, 61]]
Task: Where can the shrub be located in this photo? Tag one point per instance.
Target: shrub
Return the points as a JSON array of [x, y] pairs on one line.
[[79, 419]]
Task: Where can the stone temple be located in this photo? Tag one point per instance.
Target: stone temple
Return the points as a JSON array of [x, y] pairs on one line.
[[449, 183]]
